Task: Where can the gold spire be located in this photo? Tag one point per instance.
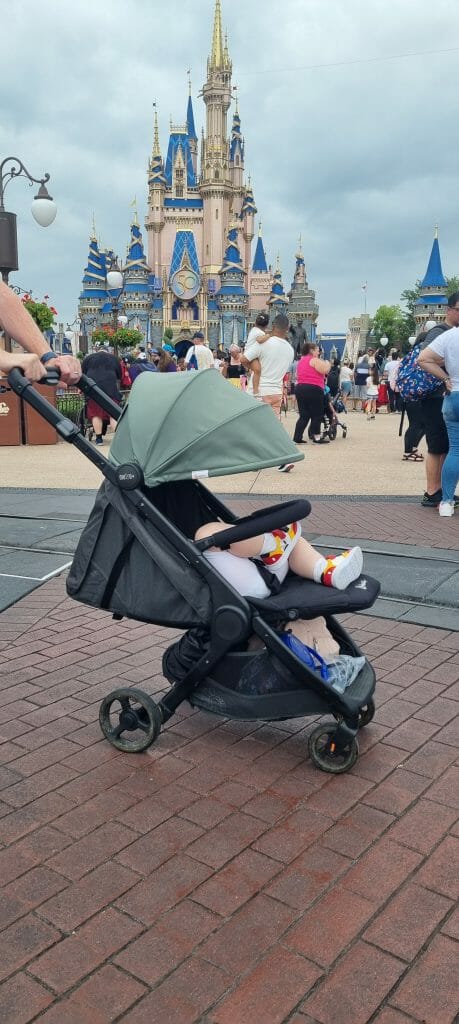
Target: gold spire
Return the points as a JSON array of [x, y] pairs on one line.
[[156, 149], [136, 217], [189, 80], [259, 228], [436, 231], [278, 266], [93, 235], [217, 54]]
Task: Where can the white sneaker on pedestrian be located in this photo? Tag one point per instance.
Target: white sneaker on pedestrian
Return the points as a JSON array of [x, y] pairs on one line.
[[446, 508], [286, 467]]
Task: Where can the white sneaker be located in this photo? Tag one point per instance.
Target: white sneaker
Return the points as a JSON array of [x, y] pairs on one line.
[[343, 569], [287, 466], [446, 508]]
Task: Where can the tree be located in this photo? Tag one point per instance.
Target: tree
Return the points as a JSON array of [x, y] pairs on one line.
[[452, 285], [391, 322], [168, 335]]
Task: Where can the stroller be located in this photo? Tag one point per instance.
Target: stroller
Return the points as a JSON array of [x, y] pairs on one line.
[[333, 407], [136, 558]]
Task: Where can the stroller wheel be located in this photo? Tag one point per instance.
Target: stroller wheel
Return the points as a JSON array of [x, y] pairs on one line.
[[344, 433], [367, 713], [324, 756], [130, 720]]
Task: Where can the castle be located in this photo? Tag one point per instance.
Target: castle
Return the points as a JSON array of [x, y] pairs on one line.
[[197, 272]]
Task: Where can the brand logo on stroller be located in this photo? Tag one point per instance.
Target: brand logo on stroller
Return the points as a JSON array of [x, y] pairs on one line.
[[4, 409], [361, 585]]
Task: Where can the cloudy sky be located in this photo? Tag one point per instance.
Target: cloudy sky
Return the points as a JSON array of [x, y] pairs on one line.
[[348, 144]]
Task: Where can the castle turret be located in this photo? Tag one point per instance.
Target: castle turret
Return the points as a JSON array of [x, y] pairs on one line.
[[277, 300], [93, 296], [191, 131], [232, 296], [136, 291], [260, 279], [154, 222], [432, 301], [302, 309], [248, 212], [216, 186], [237, 162]]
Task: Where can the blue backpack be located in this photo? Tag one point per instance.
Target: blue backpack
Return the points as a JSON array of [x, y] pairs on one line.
[[412, 382]]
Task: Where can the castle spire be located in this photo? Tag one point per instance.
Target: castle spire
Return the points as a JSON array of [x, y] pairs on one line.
[[217, 52], [156, 149], [434, 277], [259, 261]]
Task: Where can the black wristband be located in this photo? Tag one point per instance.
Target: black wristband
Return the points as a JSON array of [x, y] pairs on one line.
[[45, 358]]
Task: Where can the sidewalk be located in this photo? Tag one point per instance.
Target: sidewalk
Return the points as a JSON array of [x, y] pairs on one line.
[[218, 877]]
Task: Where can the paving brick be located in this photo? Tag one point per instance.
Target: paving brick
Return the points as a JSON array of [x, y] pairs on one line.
[[84, 898], [451, 926], [404, 926], [21, 999], [431, 760], [396, 792], [446, 790], [165, 887], [450, 733], [381, 871], [430, 990], [327, 928], [354, 832], [441, 872], [338, 795], [242, 940], [270, 991], [29, 891], [183, 997], [206, 812], [227, 839], [422, 826], [308, 876], [358, 984], [80, 953], [395, 711], [81, 820], [109, 992], [164, 946], [91, 850], [147, 853], [412, 734], [390, 1016], [235, 794], [379, 762], [96, 781], [37, 785], [236, 883], [26, 819], [23, 941], [294, 835]]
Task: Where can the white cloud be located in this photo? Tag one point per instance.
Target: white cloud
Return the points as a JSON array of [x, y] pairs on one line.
[[359, 158]]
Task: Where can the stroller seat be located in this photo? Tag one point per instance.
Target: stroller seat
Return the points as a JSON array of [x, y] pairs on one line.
[[303, 599]]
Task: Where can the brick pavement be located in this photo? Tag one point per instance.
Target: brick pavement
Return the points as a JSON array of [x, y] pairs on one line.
[[219, 877]]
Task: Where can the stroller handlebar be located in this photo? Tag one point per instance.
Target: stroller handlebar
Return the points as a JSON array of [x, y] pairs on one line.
[[23, 387], [263, 521]]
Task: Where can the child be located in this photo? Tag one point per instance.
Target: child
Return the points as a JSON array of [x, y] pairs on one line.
[[372, 391], [279, 551]]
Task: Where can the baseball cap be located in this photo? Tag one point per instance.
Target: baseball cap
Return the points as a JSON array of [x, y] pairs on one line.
[[198, 334], [430, 323]]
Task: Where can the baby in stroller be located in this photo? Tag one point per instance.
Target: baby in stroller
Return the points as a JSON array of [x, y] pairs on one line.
[[245, 563]]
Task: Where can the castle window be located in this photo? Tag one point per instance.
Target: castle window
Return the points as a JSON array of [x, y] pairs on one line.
[[216, 214], [237, 161], [217, 175], [179, 191]]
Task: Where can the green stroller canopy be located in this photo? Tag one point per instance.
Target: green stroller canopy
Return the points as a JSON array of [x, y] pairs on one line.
[[181, 426]]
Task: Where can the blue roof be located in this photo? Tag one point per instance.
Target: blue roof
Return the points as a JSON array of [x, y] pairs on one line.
[[136, 255], [236, 138], [179, 140], [434, 274], [431, 300], [190, 120], [190, 204], [96, 268], [259, 260], [184, 246]]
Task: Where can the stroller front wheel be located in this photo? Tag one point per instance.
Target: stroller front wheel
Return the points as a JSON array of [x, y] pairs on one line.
[[129, 719], [325, 756], [367, 713]]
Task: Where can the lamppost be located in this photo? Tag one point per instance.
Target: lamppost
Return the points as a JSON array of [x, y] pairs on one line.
[[384, 341], [115, 282], [412, 340], [43, 210]]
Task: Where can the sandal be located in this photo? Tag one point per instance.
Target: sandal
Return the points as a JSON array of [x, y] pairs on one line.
[[413, 457]]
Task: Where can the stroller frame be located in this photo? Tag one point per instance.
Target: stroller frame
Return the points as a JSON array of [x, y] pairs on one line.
[[333, 748]]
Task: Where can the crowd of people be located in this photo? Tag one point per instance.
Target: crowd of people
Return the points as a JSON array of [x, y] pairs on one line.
[[268, 368]]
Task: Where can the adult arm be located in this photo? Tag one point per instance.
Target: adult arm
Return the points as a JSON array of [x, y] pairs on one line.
[[251, 352], [30, 364], [18, 323], [432, 362], [321, 365]]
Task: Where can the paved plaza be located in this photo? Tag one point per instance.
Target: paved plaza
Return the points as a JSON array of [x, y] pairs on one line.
[[218, 877]]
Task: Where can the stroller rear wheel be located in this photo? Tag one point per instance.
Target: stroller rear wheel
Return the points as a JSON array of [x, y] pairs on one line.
[[367, 713], [326, 756], [130, 720]]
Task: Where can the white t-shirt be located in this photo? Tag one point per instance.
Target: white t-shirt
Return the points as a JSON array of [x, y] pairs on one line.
[[391, 368], [346, 374], [254, 334], [372, 389], [446, 345], [204, 357], [276, 357]]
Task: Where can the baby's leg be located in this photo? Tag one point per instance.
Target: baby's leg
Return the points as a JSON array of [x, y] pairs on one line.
[[255, 366], [243, 548], [337, 572]]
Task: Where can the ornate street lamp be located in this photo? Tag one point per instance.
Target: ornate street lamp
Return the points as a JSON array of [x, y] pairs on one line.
[[384, 341], [43, 210], [412, 340], [115, 282]]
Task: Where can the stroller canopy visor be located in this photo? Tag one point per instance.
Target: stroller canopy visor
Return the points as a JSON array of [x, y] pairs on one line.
[[180, 426]]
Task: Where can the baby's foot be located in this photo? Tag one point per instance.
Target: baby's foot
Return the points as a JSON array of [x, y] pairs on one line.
[[343, 569]]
